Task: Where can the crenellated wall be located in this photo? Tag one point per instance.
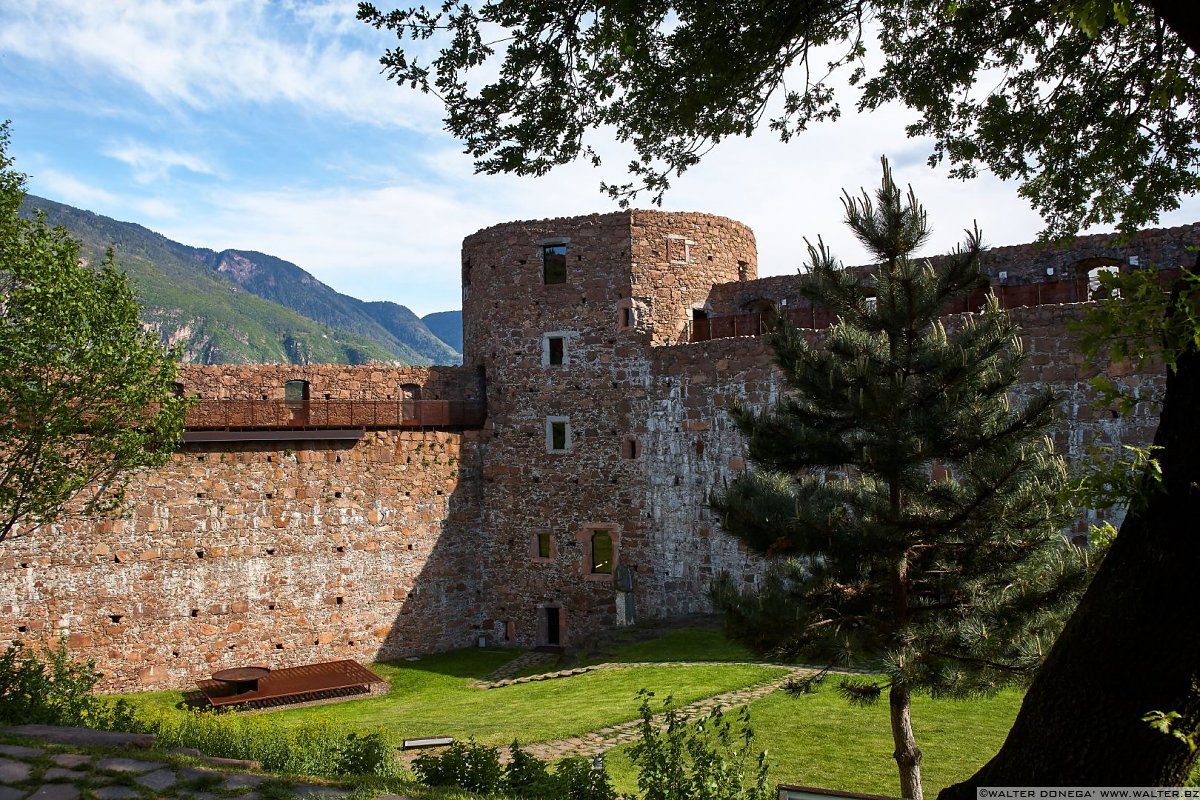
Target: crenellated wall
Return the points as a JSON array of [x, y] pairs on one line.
[[409, 540]]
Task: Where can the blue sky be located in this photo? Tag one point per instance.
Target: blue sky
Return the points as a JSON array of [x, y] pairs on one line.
[[267, 126]]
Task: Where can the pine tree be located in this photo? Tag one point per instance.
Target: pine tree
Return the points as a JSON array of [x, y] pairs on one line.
[[913, 514]]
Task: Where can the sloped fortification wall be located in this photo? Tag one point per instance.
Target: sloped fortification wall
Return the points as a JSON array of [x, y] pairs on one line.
[[278, 553]]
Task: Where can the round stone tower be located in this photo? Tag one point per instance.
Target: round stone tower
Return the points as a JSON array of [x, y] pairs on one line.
[[560, 316]]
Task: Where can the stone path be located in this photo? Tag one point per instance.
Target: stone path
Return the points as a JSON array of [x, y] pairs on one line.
[[61, 772], [605, 739]]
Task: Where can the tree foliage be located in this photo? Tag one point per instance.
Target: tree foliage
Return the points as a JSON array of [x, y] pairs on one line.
[[1093, 106], [917, 512], [86, 393]]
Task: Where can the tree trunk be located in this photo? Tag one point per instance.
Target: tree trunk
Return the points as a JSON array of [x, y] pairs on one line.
[[1180, 17], [1133, 644], [907, 754]]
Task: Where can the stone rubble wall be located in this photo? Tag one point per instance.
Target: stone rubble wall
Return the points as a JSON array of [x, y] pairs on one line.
[[275, 553]]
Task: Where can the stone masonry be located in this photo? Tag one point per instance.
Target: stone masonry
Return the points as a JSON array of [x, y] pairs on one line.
[[579, 504]]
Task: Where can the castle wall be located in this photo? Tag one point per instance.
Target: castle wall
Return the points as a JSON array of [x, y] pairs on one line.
[[280, 553], [600, 421]]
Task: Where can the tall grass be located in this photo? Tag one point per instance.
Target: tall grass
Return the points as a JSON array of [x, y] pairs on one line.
[[317, 747]]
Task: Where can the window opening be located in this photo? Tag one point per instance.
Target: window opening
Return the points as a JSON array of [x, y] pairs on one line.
[[554, 263], [555, 351], [295, 391], [295, 395], [630, 448], [543, 545], [1095, 292], [558, 434], [602, 553]]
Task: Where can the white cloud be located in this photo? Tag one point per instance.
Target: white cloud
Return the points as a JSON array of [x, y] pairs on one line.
[[207, 53], [150, 163], [69, 189]]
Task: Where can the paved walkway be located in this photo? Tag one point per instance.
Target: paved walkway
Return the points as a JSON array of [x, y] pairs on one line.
[[605, 739], [54, 772]]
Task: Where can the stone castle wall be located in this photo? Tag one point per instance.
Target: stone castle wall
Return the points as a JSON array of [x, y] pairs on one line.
[[276, 553], [409, 541]]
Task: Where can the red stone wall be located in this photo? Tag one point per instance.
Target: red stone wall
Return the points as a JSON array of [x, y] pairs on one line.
[[279, 553]]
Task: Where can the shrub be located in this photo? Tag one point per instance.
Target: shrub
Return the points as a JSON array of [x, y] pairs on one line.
[[578, 780], [527, 776], [469, 765], [704, 760], [51, 688]]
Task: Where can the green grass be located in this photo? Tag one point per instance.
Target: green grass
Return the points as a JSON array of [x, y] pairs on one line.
[[821, 740], [432, 697], [817, 739], [684, 644]]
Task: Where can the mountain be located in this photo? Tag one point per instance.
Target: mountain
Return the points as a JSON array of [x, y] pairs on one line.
[[447, 326], [240, 306]]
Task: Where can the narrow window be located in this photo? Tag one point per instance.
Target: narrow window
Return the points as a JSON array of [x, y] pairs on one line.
[[626, 315], [295, 395], [558, 434], [554, 263], [630, 448], [553, 627], [602, 553], [541, 546], [554, 351]]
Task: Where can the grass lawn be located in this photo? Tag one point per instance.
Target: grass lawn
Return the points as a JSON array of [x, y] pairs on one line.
[[821, 740], [816, 740], [431, 697]]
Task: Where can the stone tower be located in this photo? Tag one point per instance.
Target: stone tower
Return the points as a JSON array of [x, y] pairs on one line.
[[562, 317]]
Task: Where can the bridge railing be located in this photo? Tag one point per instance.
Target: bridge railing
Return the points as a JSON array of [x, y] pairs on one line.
[[285, 414], [1010, 296]]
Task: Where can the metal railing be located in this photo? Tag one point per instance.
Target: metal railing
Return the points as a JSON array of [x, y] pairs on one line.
[[727, 326], [283, 414]]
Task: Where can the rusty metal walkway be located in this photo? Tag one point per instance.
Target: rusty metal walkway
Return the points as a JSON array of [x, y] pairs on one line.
[[266, 688]]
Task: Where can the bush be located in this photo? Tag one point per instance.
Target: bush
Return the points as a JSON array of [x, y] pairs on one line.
[[527, 776], [704, 760], [468, 765], [577, 780], [51, 688], [476, 768]]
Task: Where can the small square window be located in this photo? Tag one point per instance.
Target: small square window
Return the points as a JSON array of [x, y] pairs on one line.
[[554, 347], [554, 263], [542, 546]]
